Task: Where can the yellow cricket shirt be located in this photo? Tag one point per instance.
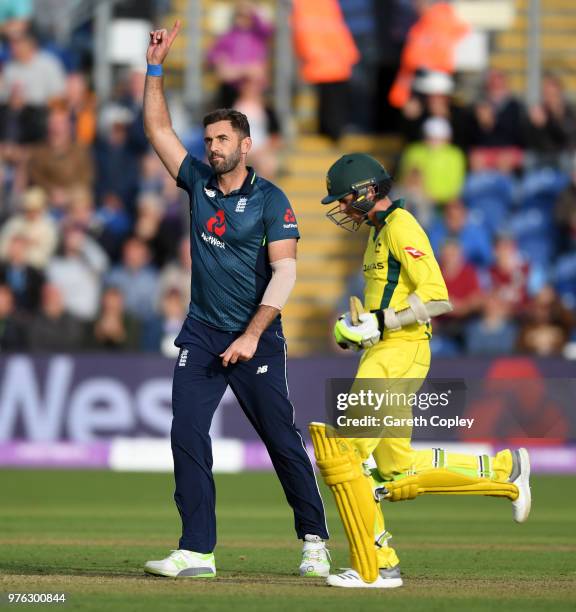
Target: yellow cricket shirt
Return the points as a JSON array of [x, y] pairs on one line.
[[398, 261]]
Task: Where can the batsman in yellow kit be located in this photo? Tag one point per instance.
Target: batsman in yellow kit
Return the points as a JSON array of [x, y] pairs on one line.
[[404, 290]]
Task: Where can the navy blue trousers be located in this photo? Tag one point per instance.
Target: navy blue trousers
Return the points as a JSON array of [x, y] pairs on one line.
[[260, 385]]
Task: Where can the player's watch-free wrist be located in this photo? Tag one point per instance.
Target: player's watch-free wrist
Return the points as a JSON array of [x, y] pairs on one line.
[[154, 70]]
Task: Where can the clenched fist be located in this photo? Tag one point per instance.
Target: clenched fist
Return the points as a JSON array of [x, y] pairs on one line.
[[160, 43]]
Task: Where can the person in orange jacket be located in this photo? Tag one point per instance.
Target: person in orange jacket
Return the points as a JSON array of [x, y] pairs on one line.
[[430, 45], [327, 55]]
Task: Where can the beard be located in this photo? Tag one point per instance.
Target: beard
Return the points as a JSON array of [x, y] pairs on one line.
[[222, 165]]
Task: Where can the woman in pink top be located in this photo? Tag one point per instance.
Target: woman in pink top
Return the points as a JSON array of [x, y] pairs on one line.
[[241, 52]]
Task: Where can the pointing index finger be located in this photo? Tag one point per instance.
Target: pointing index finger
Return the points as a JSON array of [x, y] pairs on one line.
[[174, 31]]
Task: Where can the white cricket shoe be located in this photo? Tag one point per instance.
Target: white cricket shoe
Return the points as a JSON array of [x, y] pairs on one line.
[[520, 476], [183, 564], [388, 579], [315, 557]]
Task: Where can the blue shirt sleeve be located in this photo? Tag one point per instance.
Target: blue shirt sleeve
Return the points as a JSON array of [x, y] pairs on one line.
[[191, 170], [279, 219]]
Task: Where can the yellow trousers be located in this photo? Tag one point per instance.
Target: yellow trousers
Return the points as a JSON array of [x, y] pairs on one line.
[[401, 359]]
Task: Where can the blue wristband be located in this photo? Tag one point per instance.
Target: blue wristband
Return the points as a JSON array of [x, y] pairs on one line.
[[154, 70]]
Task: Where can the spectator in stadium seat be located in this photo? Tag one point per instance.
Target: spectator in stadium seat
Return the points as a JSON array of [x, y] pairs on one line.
[[77, 272], [152, 173], [455, 224], [264, 127], [82, 104], [547, 325], [115, 225], [24, 280], [35, 224], [176, 215], [133, 101], [15, 15], [12, 328], [161, 331], [152, 228], [551, 125], [240, 52], [54, 329], [417, 200], [114, 328], [117, 161], [464, 290], [31, 79], [494, 333], [127, 97], [509, 275], [441, 164], [60, 163], [80, 211], [565, 215], [432, 97], [497, 117], [176, 274], [20, 124], [39, 75], [136, 279], [108, 226]]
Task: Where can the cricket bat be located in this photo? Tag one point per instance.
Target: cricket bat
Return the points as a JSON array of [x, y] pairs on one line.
[[356, 309]]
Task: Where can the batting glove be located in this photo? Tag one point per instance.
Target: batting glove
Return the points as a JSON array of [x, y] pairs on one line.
[[357, 337]]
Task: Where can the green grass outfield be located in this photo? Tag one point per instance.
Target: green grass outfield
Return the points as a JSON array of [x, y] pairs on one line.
[[89, 533]]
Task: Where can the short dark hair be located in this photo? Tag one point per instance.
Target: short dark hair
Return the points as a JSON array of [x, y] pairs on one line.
[[238, 120]]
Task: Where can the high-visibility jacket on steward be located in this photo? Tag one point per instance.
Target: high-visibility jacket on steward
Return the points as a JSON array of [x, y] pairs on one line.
[[322, 41]]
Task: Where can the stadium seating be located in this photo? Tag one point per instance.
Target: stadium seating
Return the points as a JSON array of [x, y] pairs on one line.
[[534, 232], [490, 196], [539, 189], [564, 276]]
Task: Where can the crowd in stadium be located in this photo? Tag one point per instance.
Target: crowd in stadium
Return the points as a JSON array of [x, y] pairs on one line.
[[494, 185], [93, 247]]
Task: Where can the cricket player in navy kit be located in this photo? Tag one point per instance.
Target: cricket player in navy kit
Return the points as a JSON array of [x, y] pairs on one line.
[[243, 240]]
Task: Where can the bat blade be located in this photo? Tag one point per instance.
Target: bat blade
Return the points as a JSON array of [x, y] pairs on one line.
[[356, 309]]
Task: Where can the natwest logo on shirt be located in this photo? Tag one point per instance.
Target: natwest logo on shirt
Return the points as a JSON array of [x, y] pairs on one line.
[[213, 240], [217, 224], [290, 220], [415, 253], [289, 216]]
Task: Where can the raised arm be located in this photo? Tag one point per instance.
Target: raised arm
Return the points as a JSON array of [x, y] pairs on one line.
[[157, 122]]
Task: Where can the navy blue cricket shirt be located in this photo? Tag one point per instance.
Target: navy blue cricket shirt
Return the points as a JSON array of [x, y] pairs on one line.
[[228, 237]]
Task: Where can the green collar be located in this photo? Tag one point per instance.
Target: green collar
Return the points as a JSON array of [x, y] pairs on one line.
[[382, 215]]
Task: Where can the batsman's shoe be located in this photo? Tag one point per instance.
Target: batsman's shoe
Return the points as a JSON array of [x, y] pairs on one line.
[[520, 476], [183, 564], [387, 579], [315, 557]]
